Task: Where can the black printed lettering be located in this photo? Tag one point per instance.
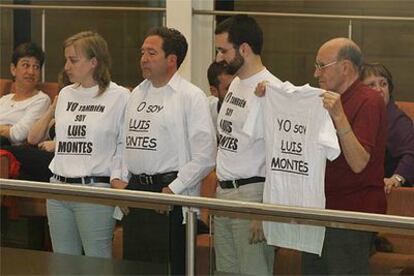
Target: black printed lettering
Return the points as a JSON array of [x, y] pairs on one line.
[[290, 165], [72, 106], [284, 125], [74, 148], [226, 126], [76, 131], [228, 143], [299, 129], [80, 118], [139, 125], [291, 147], [141, 142]]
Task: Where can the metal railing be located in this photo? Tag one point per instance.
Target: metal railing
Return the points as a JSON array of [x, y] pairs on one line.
[[236, 209]]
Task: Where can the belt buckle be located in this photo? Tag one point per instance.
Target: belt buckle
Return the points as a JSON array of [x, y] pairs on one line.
[[235, 185], [145, 179]]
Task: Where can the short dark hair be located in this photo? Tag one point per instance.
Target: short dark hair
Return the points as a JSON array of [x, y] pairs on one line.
[[214, 71], [28, 49], [242, 29], [174, 42], [352, 53], [379, 70]]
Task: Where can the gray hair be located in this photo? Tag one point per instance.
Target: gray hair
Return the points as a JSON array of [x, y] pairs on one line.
[[351, 52]]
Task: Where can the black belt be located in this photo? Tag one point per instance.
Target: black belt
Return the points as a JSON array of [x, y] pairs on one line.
[[160, 179], [231, 184], [83, 180]]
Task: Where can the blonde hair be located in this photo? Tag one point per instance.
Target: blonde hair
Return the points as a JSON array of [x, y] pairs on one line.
[[94, 46]]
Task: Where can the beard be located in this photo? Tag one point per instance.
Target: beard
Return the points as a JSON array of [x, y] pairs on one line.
[[235, 64]]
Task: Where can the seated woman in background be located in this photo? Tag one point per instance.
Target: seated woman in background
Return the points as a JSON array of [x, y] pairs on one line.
[[36, 156], [399, 156], [21, 108]]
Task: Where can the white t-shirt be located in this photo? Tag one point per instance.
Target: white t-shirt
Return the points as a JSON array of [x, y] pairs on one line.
[[299, 136], [213, 102], [22, 114], [148, 136], [89, 138], [239, 155], [180, 113]]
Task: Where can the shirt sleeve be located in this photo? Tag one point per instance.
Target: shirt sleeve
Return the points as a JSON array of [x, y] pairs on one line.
[[202, 144], [366, 123], [20, 130], [116, 166], [400, 145]]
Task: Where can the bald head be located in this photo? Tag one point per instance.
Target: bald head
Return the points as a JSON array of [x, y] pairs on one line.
[[343, 48], [338, 63]]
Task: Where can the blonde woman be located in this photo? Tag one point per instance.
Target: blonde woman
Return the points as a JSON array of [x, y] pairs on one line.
[[88, 117]]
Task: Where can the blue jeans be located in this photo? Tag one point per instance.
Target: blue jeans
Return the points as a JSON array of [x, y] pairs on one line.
[[75, 225]]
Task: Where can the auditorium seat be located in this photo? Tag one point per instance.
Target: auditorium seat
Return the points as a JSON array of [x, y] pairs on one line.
[[5, 86], [407, 107], [400, 203], [50, 88]]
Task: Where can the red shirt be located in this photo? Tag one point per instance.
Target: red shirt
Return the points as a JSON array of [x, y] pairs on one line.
[[364, 191]]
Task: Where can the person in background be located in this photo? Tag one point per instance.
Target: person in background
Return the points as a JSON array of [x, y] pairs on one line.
[[21, 108], [35, 156], [89, 146], [353, 181], [219, 80], [399, 155]]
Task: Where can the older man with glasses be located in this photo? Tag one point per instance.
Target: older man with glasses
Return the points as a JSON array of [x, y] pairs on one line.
[[354, 181]]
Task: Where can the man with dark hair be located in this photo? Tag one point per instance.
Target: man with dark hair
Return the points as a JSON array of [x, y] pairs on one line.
[[354, 181], [170, 147], [219, 80], [174, 42], [239, 244]]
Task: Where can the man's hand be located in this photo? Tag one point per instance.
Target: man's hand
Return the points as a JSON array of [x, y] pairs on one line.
[[167, 190], [332, 103], [47, 145], [260, 90], [256, 232], [117, 183]]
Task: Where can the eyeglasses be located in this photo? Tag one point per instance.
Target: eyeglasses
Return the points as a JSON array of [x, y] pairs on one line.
[[321, 66]]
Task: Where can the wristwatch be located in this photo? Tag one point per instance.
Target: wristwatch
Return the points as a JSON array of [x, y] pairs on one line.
[[399, 178]]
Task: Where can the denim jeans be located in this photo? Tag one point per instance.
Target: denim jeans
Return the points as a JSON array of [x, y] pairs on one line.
[[234, 254], [75, 225]]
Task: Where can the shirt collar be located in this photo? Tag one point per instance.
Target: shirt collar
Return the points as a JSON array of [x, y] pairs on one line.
[[351, 90], [173, 83]]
